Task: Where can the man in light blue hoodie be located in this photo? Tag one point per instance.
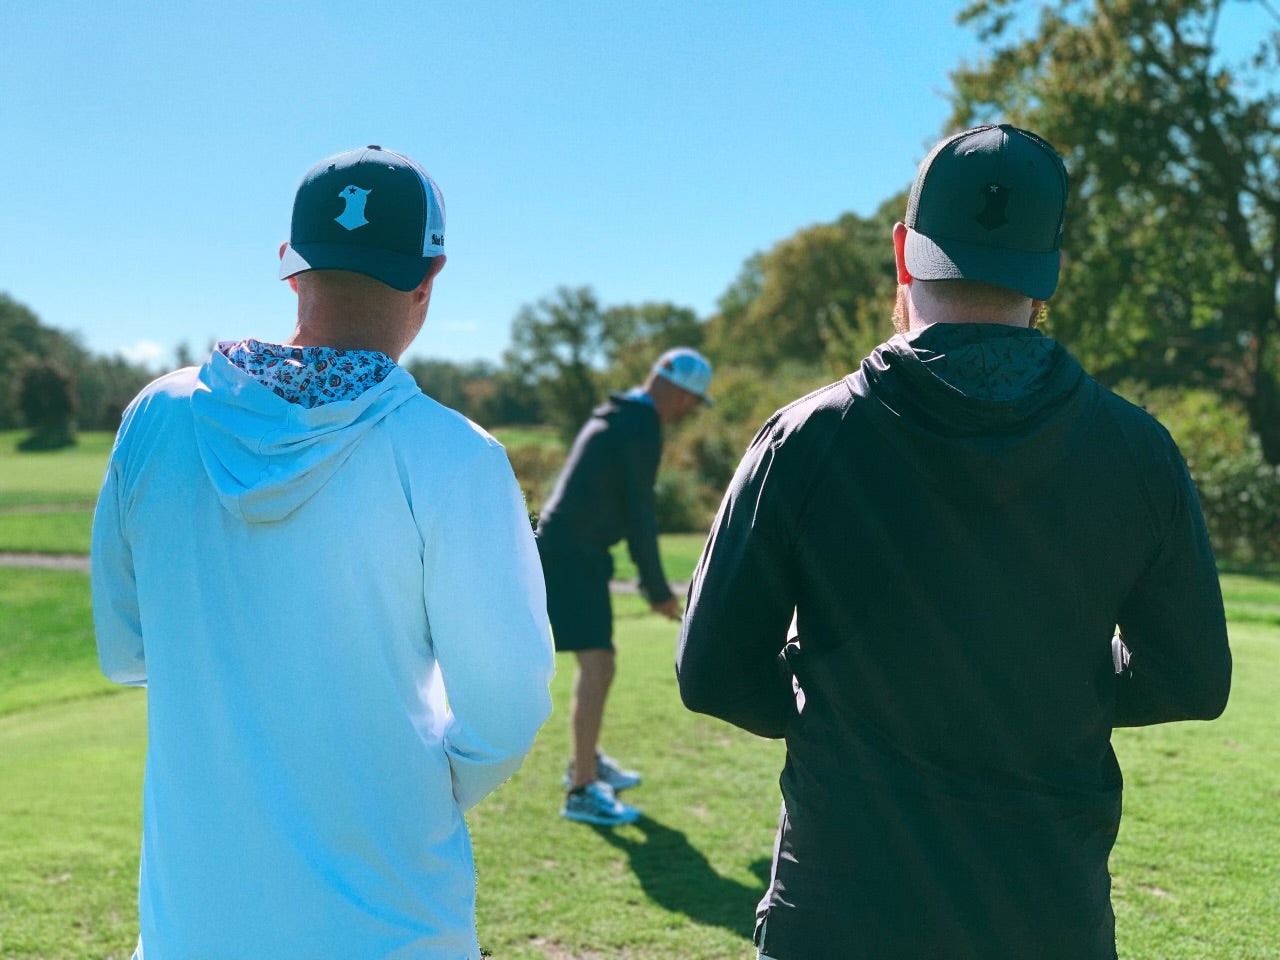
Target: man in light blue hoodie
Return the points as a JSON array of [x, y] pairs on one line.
[[328, 585]]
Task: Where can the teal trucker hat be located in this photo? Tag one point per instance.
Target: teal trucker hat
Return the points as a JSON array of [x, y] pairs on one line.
[[687, 369], [372, 211], [988, 205]]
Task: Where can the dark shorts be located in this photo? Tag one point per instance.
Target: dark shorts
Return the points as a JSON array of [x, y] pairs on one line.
[[578, 596]]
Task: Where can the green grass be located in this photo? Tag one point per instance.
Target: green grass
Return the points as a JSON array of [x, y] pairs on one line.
[[1195, 866], [680, 553], [46, 531], [68, 477], [523, 436], [47, 653], [70, 819]]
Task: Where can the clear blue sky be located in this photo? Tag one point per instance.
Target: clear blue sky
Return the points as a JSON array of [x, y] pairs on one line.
[[151, 150]]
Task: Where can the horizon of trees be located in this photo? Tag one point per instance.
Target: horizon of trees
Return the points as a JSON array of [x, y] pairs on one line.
[[1172, 241]]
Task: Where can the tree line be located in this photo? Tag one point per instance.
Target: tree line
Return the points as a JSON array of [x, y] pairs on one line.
[[1168, 290]]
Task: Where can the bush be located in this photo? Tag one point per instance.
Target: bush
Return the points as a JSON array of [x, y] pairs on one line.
[[702, 454], [536, 466], [46, 395], [1239, 490], [678, 506]]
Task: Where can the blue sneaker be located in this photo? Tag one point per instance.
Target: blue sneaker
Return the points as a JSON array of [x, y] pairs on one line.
[[607, 769], [596, 803]]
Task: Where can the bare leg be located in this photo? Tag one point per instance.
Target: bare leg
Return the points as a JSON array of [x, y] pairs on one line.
[[591, 687]]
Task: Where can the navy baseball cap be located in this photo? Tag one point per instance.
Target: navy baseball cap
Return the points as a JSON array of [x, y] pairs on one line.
[[371, 211], [988, 205]]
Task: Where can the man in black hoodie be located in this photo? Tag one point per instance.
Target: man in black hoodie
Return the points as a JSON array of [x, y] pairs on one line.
[[605, 493], [958, 528]]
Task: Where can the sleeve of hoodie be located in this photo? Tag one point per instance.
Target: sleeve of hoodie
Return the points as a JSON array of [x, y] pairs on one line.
[[1173, 624], [641, 450], [487, 610], [741, 602], [116, 622]]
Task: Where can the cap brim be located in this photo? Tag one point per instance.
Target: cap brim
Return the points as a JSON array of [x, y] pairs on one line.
[[396, 270], [1032, 273], [676, 383]]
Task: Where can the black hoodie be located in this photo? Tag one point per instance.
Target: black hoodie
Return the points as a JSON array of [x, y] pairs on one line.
[[958, 527], [605, 491]]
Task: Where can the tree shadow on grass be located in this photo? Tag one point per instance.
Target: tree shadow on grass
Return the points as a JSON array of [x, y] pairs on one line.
[[677, 877]]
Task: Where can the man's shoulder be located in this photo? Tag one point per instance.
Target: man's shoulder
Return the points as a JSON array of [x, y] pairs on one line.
[[176, 385], [814, 415], [441, 429], [1138, 425], [162, 396], [630, 412]]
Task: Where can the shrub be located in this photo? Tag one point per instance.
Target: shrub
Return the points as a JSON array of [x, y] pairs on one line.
[[1239, 491], [536, 466], [46, 395], [678, 506]]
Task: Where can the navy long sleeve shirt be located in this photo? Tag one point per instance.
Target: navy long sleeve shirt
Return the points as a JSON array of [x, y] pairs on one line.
[[605, 491]]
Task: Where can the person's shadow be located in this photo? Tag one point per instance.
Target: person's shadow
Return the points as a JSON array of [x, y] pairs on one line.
[[678, 877]]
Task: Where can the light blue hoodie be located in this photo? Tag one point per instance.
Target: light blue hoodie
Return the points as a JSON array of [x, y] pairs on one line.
[[298, 589]]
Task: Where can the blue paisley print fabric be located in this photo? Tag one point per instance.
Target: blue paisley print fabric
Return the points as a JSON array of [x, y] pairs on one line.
[[308, 376]]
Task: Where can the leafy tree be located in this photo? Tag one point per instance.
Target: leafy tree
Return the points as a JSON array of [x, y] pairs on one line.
[[46, 397], [21, 337], [827, 286], [635, 336], [103, 385], [478, 389], [1173, 236], [446, 382], [557, 347]]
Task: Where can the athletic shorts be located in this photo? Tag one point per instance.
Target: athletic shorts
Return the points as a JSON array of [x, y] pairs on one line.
[[578, 603]]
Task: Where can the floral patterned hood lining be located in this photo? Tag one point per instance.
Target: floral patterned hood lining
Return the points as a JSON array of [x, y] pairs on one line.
[[309, 376]]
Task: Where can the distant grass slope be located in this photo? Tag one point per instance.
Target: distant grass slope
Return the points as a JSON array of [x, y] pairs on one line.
[[47, 651], [70, 476], [46, 531], [529, 436]]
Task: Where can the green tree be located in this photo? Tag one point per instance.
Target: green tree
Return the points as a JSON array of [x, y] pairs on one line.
[[446, 382], [827, 287], [636, 335], [1173, 232], [21, 337], [103, 385], [558, 345], [47, 399]]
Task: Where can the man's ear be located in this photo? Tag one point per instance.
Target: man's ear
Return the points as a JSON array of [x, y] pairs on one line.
[[900, 251], [293, 281], [423, 290]]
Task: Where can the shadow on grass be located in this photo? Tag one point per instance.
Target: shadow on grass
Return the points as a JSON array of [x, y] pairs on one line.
[[677, 877]]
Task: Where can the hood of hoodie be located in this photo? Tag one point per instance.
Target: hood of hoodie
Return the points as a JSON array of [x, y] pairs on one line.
[[266, 457], [982, 408]]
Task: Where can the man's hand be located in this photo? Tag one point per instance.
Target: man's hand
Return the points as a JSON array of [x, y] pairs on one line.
[[669, 608]]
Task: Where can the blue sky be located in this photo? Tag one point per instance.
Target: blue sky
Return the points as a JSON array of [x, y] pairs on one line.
[[151, 150]]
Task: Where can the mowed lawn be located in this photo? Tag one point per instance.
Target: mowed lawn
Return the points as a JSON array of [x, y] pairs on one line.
[[47, 498], [1197, 865]]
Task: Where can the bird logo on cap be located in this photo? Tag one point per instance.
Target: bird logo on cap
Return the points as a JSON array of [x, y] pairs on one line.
[[352, 215], [996, 199]]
